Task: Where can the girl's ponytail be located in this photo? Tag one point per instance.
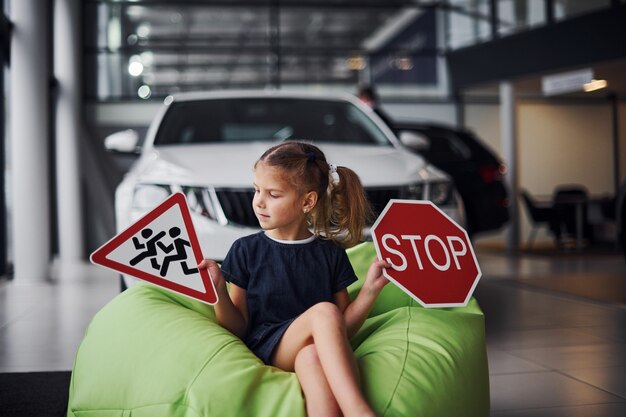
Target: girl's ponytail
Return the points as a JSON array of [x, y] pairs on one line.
[[349, 207]]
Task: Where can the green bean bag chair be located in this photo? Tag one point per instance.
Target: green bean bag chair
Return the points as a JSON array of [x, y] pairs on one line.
[[150, 352]]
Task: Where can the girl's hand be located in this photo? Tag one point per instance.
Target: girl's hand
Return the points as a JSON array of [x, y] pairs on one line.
[[214, 272], [375, 281]]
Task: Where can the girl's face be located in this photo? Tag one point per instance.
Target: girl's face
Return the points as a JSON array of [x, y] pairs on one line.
[[279, 206]]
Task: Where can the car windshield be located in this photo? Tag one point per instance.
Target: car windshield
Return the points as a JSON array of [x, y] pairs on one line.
[[272, 119]]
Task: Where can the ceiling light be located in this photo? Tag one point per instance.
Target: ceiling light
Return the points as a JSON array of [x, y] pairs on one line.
[[143, 30], [402, 64], [135, 68], [144, 92], [595, 85], [356, 63], [147, 58]]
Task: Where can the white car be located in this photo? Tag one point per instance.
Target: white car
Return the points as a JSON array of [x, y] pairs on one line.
[[205, 145]]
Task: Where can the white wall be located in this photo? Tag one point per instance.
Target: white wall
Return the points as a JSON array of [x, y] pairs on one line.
[[484, 119], [562, 144], [433, 112]]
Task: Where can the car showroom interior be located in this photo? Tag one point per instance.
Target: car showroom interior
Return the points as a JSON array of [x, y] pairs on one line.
[[435, 189]]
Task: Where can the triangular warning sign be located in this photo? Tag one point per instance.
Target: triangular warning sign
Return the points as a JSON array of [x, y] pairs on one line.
[[157, 249]]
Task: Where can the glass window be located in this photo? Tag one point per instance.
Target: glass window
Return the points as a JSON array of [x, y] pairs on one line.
[[255, 119], [143, 50], [150, 49], [468, 22], [565, 9], [446, 147], [518, 15]]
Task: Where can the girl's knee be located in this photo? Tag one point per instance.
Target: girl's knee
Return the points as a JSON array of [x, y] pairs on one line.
[[327, 313]]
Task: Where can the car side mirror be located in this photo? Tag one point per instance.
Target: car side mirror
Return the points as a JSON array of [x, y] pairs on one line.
[[124, 141], [413, 140]]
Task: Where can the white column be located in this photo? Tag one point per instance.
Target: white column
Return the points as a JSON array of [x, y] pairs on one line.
[[30, 200], [67, 38], [508, 129]]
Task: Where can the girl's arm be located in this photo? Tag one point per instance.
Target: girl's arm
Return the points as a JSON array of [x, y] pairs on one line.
[[231, 309], [356, 312]]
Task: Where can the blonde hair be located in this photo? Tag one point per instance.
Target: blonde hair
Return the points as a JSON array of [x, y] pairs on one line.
[[342, 208]]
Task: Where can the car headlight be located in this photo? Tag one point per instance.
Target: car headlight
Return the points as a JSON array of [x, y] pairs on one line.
[[199, 199], [413, 191], [441, 193], [148, 196]]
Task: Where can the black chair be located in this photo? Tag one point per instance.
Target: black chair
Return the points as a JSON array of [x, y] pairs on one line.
[[539, 215], [567, 199]]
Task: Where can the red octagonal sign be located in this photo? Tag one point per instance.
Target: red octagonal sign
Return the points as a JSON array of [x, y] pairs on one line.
[[431, 256]]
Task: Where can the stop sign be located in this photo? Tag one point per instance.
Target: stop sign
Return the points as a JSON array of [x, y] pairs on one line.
[[431, 256]]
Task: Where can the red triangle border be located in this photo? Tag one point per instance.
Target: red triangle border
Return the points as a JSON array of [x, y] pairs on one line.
[[99, 257]]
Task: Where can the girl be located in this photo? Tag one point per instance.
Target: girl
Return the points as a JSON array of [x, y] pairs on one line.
[[288, 299]]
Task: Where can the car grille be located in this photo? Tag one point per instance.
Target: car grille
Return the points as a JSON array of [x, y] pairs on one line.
[[379, 197], [237, 204], [237, 207]]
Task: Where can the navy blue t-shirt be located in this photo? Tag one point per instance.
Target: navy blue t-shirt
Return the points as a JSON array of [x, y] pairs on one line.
[[282, 280]]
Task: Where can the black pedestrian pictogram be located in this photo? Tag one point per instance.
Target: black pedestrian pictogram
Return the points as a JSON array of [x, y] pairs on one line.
[[150, 247], [180, 253]]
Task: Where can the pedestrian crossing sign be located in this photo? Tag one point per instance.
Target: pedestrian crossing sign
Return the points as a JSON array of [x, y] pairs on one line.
[[162, 248]]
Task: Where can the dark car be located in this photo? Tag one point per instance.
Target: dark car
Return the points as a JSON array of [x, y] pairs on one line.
[[475, 169]]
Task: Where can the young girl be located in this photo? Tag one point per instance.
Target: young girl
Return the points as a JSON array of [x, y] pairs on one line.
[[288, 299]]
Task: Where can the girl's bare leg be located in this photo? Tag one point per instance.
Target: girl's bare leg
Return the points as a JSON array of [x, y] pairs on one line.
[[320, 401], [323, 326]]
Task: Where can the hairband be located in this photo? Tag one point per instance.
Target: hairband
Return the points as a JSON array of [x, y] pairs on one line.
[[311, 157]]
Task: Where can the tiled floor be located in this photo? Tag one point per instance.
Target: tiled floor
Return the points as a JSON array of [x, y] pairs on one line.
[[550, 353], [42, 323]]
